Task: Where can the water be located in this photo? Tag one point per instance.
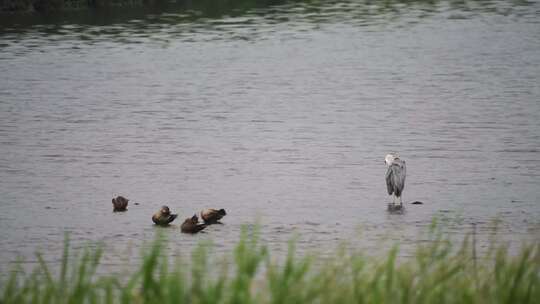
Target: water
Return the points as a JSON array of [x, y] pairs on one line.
[[280, 114]]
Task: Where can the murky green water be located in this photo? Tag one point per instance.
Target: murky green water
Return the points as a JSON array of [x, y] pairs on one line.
[[278, 113]]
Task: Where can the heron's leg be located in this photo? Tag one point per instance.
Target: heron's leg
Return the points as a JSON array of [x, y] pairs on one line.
[[400, 202], [393, 199]]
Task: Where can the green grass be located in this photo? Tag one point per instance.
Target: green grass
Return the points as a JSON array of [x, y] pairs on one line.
[[439, 272]]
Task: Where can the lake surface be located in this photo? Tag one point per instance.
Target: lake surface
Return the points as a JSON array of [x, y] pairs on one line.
[[279, 114]]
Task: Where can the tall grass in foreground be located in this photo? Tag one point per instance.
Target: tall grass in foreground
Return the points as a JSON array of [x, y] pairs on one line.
[[439, 272]]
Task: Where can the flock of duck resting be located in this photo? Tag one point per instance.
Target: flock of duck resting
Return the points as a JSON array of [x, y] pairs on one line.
[[164, 216], [395, 182]]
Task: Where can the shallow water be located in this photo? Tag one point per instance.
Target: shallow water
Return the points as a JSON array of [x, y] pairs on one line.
[[280, 114]]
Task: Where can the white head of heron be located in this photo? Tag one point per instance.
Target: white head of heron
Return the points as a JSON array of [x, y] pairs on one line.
[[389, 159]]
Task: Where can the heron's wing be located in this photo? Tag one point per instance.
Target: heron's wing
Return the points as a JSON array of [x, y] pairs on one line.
[[388, 178], [399, 171], [404, 172]]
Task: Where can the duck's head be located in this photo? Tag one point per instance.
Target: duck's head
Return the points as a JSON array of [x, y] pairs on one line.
[[222, 212], [389, 159], [165, 210], [194, 219]]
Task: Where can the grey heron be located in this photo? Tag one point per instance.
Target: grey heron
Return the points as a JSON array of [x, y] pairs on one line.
[[395, 177]]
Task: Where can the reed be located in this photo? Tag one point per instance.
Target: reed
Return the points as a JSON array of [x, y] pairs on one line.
[[439, 272]]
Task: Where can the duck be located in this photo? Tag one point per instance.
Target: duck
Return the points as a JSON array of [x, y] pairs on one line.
[[120, 203], [191, 225], [212, 216], [163, 217]]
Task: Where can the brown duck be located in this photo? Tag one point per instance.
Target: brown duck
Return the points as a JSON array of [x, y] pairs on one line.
[[163, 217], [212, 216], [191, 225], [120, 203]]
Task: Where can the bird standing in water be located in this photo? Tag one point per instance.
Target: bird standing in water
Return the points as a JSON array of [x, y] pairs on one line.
[[163, 217], [395, 177]]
